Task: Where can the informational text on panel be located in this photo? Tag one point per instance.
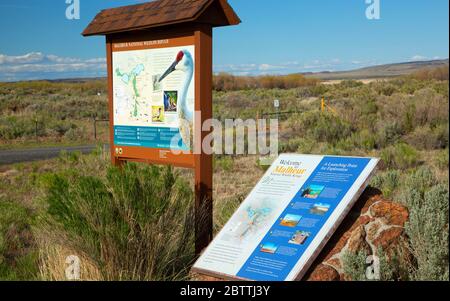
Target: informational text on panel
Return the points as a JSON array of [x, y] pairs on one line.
[[287, 218]]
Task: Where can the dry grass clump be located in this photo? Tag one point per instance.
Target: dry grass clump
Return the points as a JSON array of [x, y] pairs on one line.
[[135, 224]]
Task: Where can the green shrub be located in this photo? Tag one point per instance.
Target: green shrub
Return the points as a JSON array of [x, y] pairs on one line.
[[428, 231], [427, 138], [69, 158], [387, 182], [13, 127], [350, 84], [429, 108], [75, 133], [369, 107], [400, 156], [354, 265], [421, 180], [224, 163], [386, 267], [297, 145], [224, 209], [318, 90], [322, 127], [442, 159], [387, 89], [363, 139], [61, 127], [391, 182], [18, 257], [331, 129], [136, 224], [390, 133]]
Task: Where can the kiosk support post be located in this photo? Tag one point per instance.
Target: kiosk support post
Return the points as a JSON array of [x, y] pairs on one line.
[[203, 162], [114, 160]]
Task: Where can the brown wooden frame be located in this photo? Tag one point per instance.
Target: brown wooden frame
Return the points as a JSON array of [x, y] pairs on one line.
[[164, 19], [200, 162]]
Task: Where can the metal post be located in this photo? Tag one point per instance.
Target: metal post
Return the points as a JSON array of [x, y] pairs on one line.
[[95, 129], [276, 104], [36, 128]]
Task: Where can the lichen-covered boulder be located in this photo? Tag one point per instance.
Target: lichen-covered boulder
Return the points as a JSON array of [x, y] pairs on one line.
[[374, 223]]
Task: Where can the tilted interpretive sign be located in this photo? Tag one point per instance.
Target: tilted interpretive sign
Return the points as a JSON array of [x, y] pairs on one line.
[[288, 217]]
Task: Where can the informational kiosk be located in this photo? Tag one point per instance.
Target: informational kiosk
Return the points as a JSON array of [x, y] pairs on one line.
[[159, 60], [287, 219]]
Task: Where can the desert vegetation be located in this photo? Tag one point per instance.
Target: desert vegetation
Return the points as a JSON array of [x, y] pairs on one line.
[[229, 82], [134, 223], [39, 113], [440, 73], [137, 224]]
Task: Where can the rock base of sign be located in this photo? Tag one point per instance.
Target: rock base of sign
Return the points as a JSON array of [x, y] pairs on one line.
[[373, 224]]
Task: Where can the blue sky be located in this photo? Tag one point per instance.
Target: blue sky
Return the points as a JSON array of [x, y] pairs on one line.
[[276, 36]]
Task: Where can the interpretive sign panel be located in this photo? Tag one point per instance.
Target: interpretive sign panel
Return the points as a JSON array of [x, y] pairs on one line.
[[154, 94], [287, 219]]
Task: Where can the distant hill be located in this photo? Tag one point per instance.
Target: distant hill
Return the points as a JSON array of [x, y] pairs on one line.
[[381, 71], [76, 80], [373, 72]]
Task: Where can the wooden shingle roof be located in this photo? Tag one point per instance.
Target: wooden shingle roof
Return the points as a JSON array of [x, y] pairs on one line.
[[161, 13]]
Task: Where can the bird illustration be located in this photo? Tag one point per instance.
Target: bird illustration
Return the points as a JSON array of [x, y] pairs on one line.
[[183, 63], [166, 102]]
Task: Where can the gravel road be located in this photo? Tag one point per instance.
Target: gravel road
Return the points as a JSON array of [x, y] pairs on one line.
[[36, 154]]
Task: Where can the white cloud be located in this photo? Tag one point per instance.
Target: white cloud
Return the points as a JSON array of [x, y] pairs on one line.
[[268, 67], [96, 61], [33, 57], [336, 61], [281, 68], [62, 60], [419, 57], [33, 68], [36, 65]]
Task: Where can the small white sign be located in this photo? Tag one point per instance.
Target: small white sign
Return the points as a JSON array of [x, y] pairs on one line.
[[276, 103]]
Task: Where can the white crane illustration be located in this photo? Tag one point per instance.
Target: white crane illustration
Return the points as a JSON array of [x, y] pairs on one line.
[[184, 63]]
